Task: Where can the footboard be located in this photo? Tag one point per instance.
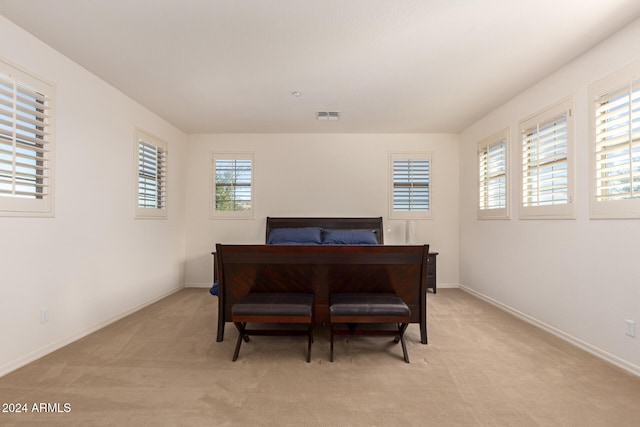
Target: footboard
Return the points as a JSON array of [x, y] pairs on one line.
[[323, 270]]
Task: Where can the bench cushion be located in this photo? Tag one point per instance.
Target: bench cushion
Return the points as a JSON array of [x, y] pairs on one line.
[[274, 304], [366, 304]]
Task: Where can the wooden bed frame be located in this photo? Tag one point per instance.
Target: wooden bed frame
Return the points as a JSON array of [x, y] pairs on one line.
[[323, 269]]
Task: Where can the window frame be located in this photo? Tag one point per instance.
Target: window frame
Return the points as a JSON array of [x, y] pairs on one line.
[[43, 152], [554, 210], [502, 137], [411, 213], [623, 208], [231, 214], [161, 172]]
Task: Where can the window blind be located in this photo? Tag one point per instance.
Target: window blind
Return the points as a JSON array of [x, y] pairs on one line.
[[152, 175], [233, 184], [24, 141], [545, 175], [411, 178], [617, 143], [492, 159]]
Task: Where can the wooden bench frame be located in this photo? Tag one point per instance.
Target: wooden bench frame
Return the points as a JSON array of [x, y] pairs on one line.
[[277, 315], [368, 314]]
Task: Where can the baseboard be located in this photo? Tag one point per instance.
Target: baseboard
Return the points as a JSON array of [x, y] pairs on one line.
[[56, 345], [614, 360], [198, 285], [447, 285]]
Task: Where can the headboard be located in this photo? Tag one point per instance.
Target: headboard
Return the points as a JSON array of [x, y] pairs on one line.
[[372, 224]]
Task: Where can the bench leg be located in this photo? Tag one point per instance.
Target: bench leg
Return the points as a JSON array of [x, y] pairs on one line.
[[241, 336], [401, 329]]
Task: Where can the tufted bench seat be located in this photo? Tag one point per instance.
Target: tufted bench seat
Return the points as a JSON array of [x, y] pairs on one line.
[[273, 308], [377, 308]]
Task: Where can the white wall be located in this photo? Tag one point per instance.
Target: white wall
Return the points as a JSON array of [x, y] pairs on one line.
[[320, 175], [564, 275], [92, 262]]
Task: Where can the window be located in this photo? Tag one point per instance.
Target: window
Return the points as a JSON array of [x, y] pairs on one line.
[[493, 176], [232, 196], [547, 171], [615, 136], [151, 182], [26, 144], [410, 185]]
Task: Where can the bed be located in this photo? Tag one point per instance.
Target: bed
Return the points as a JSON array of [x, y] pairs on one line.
[[322, 255]]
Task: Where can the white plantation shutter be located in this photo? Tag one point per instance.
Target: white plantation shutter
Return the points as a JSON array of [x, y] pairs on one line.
[[617, 145], [410, 184], [233, 184], [544, 162], [492, 176], [152, 176], [547, 163], [232, 178], [26, 143]]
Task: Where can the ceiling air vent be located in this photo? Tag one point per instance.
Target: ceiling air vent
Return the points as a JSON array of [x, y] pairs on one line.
[[328, 115]]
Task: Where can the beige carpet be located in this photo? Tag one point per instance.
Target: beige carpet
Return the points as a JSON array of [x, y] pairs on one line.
[[162, 366]]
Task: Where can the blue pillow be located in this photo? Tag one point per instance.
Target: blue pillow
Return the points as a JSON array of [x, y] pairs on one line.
[[349, 237], [295, 236]]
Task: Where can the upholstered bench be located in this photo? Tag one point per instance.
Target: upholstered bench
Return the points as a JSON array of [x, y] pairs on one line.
[[273, 308], [373, 308]]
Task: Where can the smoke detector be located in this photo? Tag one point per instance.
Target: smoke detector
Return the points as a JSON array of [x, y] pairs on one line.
[[328, 115]]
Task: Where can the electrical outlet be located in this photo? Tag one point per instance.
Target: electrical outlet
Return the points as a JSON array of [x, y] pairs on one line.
[[44, 315], [630, 328]]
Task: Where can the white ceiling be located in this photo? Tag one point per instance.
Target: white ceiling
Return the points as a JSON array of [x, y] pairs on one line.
[[210, 66]]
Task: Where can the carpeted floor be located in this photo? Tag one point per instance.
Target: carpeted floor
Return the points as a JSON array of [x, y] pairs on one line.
[[162, 366]]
